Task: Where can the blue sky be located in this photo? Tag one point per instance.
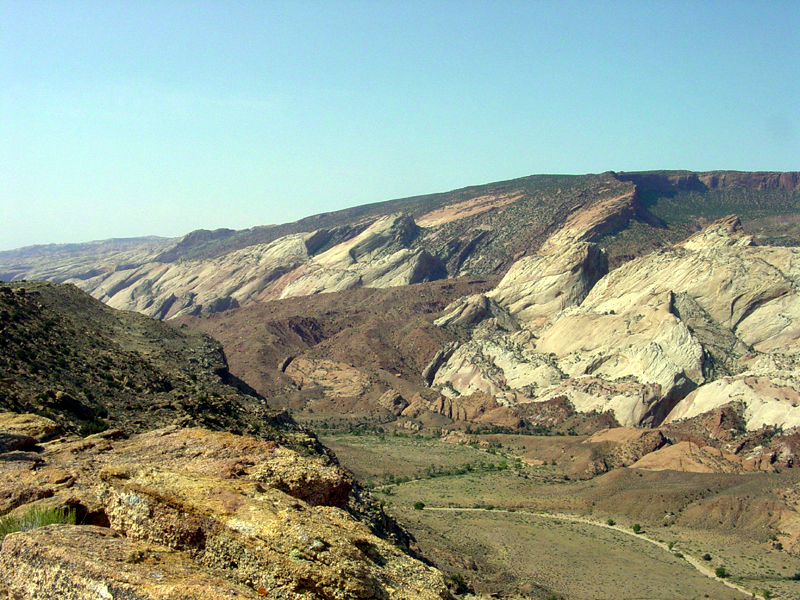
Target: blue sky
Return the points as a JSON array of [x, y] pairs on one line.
[[128, 118]]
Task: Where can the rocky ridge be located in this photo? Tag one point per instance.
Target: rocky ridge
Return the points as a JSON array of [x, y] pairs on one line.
[[473, 232], [87, 366], [646, 335]]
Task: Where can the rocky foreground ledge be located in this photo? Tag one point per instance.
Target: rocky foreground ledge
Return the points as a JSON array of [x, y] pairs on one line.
[[188, 514]]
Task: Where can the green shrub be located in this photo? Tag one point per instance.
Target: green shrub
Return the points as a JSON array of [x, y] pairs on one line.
[[611, 522], [721, 572], [706, 556], [36, 517], [94, 426], [459, 582], [419, 505], [637, 528]]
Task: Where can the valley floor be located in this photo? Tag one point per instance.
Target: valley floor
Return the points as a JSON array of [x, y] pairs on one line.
[[512, 530]]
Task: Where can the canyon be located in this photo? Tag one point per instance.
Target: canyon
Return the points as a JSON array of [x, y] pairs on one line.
[[653, 317]]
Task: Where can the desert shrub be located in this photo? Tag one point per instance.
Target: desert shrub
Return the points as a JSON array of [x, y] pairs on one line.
[[36, 517], [459, 582], [419, 505], [706, 556], [637, 528], [611, 522], [721, 572], [93, 426]]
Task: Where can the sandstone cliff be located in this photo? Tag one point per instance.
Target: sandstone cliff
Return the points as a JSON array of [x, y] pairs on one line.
[[662, 335]]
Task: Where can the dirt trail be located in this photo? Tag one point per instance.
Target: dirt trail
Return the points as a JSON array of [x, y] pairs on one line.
[[696, 563]]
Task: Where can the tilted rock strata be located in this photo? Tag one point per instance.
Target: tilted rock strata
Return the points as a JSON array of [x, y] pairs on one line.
[[766, 402], [546, 283], [644, 336], [475, 231], [377, 257], [166, 290]]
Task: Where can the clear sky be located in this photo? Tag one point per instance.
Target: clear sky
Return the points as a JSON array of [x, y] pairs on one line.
[[127, 118]]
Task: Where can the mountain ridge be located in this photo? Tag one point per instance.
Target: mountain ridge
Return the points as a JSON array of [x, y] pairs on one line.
[[474, 232]]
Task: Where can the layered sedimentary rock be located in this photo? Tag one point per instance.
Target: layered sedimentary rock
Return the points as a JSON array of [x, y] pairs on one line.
[[638, 340], [289, 266], [548, 282]]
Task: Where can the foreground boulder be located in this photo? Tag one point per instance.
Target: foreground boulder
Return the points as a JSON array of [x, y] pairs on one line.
[[190, 513], [83, 562]]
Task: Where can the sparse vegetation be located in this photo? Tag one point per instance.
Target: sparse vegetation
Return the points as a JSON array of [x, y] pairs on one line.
[[459, 582], [94, 426], [34, 518]]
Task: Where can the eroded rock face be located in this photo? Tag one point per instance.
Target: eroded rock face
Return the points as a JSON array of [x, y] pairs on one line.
[[190, 513], [687, 456], [38, 428], [289, 266], [166, 290], [477, 408], [710, 321], [338, 379], [262, 537], [538, 286], [766, 402], [378, 257]]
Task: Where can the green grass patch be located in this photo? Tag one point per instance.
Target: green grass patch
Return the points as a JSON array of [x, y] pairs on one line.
[[36, 517]]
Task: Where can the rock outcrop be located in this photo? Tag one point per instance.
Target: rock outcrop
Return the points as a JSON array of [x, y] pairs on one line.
[[677, 332], [765, 401], [539, 286], [190, 513], [378, 257], [293, 265]]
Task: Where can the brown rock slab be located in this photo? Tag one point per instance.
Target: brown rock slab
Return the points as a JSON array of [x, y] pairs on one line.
[[33, 426], [93, 563], [263, 537]]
